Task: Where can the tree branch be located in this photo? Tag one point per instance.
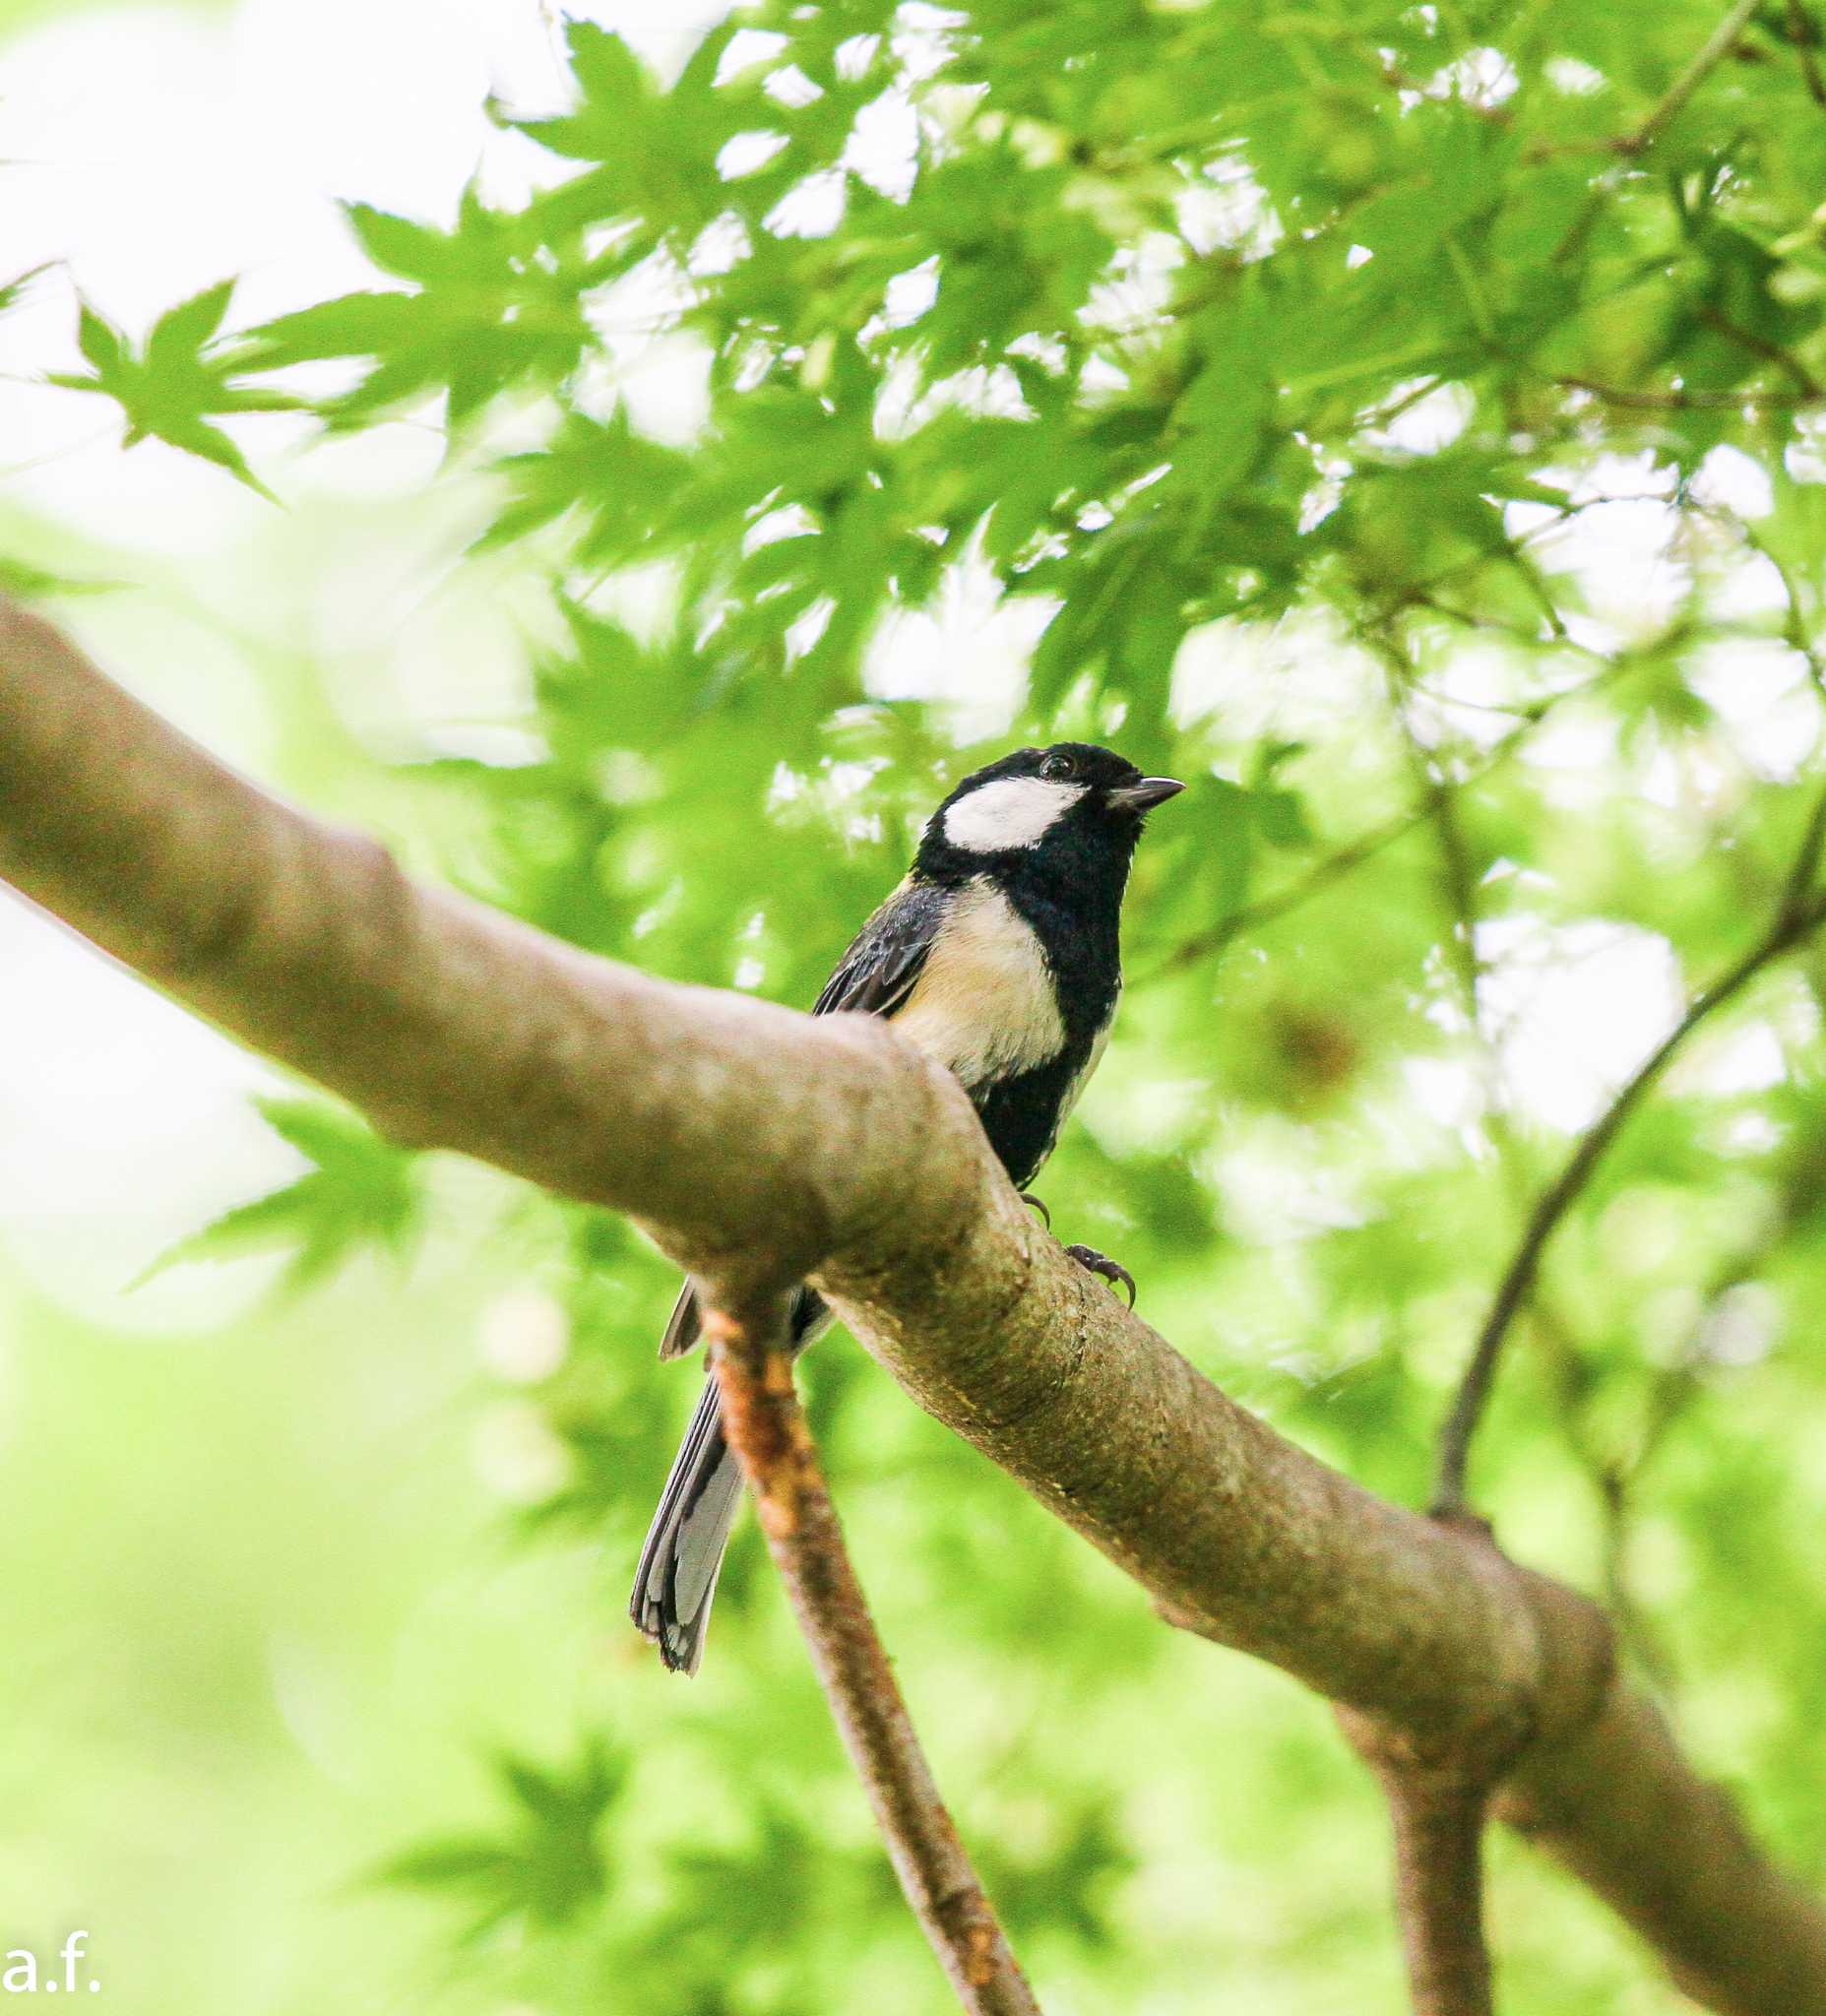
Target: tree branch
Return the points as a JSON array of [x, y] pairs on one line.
[[1800, 912], [1355, 854], [1672, 101], [1805, 383], [1677, 398], [1439, 1892], [766, 1429], [1438, 1816], [1804, 34], [766, 1146], [1439, 1798], [1717, 46]]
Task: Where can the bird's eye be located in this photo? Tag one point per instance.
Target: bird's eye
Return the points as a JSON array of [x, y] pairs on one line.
[[1056, 769]]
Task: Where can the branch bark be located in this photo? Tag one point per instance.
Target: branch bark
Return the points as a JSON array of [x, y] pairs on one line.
[[766, 1429], [859, 1164], [1438, 1815]]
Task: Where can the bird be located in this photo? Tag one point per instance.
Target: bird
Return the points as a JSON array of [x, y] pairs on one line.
[[997, 954]]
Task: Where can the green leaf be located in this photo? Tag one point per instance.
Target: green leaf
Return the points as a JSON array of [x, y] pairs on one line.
[[167, 391], [360, 1192], [400, 245], [181, 332], [547, 1867], [99, 341], [30, 583], [14, 289]]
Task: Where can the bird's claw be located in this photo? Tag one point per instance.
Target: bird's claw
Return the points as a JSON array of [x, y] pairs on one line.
[[1040, 1205], [1101, 1264]]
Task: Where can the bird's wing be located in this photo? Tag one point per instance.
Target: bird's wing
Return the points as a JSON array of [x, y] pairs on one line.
[[873, 977], [884, 963]]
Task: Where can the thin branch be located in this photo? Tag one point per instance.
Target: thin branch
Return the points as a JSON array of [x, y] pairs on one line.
[[1800, 912], [1717, 46], [1804, 34], [1760, 346], [1438, 1822], [1640, 137], [1355, 854], [1458, 879], [1251, 916], [829, 1149], [766, 1429], [1677, 398]]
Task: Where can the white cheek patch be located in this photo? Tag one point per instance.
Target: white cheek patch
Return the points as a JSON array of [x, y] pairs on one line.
[[1012, 811]]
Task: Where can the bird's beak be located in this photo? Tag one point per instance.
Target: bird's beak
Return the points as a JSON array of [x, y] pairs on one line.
[[1142, 797]]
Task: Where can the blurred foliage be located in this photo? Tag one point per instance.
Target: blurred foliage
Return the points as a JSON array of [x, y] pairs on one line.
[[358, 1191], [1403, 421], [169, 389]]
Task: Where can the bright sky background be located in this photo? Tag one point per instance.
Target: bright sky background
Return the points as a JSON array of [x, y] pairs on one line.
[[151, 152]]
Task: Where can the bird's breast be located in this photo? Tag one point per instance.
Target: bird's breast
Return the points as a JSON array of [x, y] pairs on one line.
[[985, 1004]]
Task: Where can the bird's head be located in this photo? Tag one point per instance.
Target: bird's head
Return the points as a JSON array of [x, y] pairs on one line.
[[1073, 806]]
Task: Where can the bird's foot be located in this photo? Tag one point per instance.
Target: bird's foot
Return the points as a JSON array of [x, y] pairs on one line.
[[1040, 1205], [1101, 1264]]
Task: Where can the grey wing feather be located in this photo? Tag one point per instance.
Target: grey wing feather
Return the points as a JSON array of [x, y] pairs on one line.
[[873, 977], [683, 1556], [883, 966], [683, 1326]]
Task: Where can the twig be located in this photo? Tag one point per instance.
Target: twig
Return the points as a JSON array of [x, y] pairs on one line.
[[1760, 346], [1674, 99], [1321, 875], [766, 1429], [1798, 913], [1804, 34], [1458, 880], [1367, 847], [1252, 916], [1646, 131], [1678, 400]]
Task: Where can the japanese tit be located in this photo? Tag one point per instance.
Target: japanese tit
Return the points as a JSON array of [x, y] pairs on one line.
[[998, 956]]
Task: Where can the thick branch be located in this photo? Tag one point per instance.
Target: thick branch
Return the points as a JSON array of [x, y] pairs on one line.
[[742, 1132], [766, 1429]]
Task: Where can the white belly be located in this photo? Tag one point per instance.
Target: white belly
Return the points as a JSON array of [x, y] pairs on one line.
[[984, 1004]]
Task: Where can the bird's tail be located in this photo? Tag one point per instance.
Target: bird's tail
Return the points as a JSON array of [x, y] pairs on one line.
[[683, 1556]]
